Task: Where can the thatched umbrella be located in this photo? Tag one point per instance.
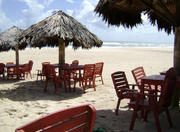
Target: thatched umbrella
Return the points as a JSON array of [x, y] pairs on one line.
[[60, 30], [8, 41], [164, 13]]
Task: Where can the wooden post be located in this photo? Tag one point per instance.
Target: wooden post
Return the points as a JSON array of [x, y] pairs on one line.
[[176, 96], [17, 54], [61, 55]]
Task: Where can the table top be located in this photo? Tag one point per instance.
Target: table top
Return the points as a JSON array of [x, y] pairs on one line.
[[154, 77], [55, 65], [77, 67], [12, 65]]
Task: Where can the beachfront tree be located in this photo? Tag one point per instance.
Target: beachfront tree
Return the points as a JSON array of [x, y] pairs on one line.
[[163, 13]]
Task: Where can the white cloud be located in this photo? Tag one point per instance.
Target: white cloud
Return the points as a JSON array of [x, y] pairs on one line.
[[48, 2], [87, 7], [35, 11], [70, 1]]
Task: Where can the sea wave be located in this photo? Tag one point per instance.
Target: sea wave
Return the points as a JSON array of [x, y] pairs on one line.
[[136, 44]]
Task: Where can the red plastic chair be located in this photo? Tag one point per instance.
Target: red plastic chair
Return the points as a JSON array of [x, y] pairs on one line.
[[10, 69], [40, 73], [122, 88], [30, 67], [2, 70], [138, 74], [76, 119], [75, 62], [25, 70], [75, 73], [87, 78], [51, 76], [67, 77], [16, 73], [98, 71], [149, 102]]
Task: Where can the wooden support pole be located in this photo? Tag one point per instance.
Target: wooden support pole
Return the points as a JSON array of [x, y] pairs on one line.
[[17, 54], [61, 55]]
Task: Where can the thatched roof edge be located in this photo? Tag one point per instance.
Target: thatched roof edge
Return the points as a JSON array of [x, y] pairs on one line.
[[59, 26]]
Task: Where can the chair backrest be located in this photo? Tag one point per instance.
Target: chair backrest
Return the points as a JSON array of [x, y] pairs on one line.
[[75, 119], [88, 71], [75, 63], [49, 71], [30, 65], [25, 67], [98, 68], [138, 74], [2, 66], [17, 70], [168, 90], [10, 63], [66, 72], [43, 66], [120, 82]]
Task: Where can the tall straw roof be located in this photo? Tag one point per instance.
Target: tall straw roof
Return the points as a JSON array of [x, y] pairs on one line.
[[8, 38], [128, 12], [59, 26]]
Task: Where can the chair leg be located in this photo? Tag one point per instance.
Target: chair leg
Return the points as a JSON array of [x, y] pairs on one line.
[[94, 85], [102, 80], [133, 119], [30, 75], [156, 117], [69, 84], [45, 88], [37, 78], [74, 89], [145, 116], [117, 107], [84, 86], [65, 86], [169, 118], [55, 87]]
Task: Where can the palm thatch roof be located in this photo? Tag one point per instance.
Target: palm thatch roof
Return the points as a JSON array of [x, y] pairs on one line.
[[128, 12], [7, 38], [59, 26]]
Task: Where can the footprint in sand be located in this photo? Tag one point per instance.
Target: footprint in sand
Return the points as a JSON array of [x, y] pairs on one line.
[[11, 111], [23, 116]]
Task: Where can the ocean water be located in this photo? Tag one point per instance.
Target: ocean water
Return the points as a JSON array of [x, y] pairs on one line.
[[136, 44]]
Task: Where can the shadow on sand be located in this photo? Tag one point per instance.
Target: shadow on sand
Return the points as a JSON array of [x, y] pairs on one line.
[[32, 91], [112, 123], [105, 118]]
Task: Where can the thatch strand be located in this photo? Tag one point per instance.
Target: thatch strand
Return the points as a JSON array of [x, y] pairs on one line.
[[59, 26], [8, 38]]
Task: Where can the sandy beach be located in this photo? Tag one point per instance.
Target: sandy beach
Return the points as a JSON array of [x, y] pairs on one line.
[[24, 101]]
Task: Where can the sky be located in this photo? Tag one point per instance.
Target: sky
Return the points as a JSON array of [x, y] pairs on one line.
[[24, 13]]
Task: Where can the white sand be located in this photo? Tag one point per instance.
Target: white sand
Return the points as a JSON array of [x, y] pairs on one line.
[[24, 101]]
